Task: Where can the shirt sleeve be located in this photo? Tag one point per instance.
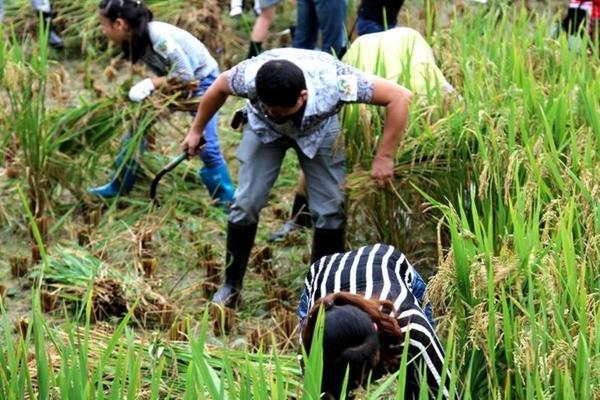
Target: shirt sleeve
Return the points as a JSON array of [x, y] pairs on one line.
[[354, 85], [180, 64], [236, 78], [425, 351]]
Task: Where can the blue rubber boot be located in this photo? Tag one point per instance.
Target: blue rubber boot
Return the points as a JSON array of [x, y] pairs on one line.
[[218, 182], [121, 183], [124, 176]]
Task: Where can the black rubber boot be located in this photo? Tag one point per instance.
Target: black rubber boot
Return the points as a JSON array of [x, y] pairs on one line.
[[300, 212], [240, 239], [300, 218], [326, 242], [254, 49]]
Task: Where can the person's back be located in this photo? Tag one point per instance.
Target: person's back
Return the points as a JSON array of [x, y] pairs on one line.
[[401, 55], [178, 46]]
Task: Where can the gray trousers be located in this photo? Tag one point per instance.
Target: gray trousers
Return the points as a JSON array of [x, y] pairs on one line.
[[259, 167], [37, 5]]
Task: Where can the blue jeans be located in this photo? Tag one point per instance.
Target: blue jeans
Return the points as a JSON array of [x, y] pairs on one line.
[[211, 155], [325, 16], [365, 26], [418, 290]]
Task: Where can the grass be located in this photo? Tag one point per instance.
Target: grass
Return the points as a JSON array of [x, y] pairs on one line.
[[496, 193]]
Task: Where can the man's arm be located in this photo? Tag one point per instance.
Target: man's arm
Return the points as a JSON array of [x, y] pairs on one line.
[[396, 99], [211, 102]]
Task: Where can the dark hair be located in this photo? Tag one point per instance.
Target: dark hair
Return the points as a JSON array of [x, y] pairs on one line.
[[137, 15], [350, 339], [279, 83]]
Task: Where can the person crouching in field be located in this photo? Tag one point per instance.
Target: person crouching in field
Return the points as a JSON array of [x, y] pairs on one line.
[[401, 55], [169, 52], [294, 97], [372, 299]]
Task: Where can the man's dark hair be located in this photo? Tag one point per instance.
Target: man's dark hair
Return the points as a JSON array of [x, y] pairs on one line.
[[137, 15], [279, 83]]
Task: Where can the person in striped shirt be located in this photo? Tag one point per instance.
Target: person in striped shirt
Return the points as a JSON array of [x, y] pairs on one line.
[[372, 298]]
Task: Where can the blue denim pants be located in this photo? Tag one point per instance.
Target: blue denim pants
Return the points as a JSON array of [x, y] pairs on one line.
[[418, 290], [211, 154], [325, 16], [365, 26]]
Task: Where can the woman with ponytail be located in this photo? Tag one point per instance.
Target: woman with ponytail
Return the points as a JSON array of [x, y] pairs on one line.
[[168, 51]]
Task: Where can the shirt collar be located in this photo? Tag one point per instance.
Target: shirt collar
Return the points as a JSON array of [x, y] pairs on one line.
[[311, 102]]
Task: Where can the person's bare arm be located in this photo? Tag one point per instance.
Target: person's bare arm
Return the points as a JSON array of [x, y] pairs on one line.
[[211, 102], [396, 99]]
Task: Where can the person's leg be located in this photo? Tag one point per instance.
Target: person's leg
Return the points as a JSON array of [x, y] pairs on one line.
[[214, 174], [43, 6], [1, 10], [211, 154], [300, 216], [126, 168], [306, 32], [331, 19], [300, 210], [325, 174], [574, 24], [259, 167], [365, 26], [260, 30]]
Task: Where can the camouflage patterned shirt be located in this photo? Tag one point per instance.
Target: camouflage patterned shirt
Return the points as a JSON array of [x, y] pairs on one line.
[[329, 82], [175, 52]]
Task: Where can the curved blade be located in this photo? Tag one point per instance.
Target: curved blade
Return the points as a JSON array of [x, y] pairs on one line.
[[169, 167]]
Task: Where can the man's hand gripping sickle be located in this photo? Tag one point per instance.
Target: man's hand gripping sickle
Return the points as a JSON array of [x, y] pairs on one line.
[[193, 142], [212, 100]]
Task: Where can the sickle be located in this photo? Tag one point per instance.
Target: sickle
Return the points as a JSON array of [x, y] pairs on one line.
[[169, 167]]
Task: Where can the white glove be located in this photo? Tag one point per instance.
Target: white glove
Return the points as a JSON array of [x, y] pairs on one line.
[[236, 8], [141, 90]]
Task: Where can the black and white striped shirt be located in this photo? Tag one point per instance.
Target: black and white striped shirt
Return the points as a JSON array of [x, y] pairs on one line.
[[382, 272]]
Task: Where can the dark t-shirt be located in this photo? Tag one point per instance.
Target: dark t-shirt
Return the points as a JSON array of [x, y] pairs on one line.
[[373, 10]]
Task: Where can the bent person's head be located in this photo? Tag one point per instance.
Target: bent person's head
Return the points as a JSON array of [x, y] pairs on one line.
[[125, 22], [281, 88], [357, 336]]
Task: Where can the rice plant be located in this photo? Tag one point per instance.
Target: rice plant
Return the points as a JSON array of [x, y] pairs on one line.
[[24, 78], [497, 193], [516, 203], [78, 22]]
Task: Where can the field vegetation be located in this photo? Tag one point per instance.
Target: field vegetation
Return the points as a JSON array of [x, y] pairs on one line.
[[496, 198]]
